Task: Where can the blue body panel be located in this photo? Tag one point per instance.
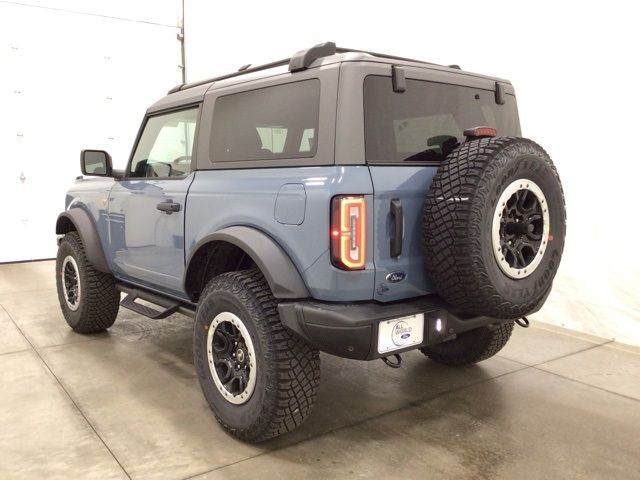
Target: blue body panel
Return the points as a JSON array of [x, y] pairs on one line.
[[253, 197], [146, 245], [291, 205], [409, 184]]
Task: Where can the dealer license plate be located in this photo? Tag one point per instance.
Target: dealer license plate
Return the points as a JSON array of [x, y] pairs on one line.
[[400, 333]]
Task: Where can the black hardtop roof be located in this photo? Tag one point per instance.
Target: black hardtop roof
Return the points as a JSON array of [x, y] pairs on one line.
[[303, 60], [322, 54]]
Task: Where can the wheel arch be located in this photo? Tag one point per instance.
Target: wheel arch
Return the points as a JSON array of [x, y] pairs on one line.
[[276, 266], [78, 220]]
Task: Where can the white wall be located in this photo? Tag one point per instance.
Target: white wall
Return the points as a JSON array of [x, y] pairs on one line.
[[73, 75], [575, 67]]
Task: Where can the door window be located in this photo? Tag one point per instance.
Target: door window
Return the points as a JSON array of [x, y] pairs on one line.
[[165, 146]]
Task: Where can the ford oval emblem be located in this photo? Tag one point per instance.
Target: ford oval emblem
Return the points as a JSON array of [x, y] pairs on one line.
[[395, 277], [405, 336]]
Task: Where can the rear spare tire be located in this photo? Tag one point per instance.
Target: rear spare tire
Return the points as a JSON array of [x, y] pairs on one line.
[[494, 227], [470, 347]]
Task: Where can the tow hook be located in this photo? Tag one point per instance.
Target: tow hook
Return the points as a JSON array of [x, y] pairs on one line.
[[523, 322], [396, 364]]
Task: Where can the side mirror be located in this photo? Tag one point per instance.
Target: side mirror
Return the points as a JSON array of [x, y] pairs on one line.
[[96, 162]]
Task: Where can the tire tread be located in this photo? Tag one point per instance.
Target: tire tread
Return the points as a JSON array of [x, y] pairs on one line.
[[293, 363], [470, 347], [452, 229], [102, 300]]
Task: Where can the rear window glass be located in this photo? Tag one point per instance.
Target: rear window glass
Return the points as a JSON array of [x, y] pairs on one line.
[[267, 124], [427, 121]]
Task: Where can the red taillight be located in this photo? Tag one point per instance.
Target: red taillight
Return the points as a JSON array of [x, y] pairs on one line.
[[348, 232]]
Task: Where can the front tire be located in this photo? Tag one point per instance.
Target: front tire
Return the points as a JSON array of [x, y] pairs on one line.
[[259, 379], [88, 298]]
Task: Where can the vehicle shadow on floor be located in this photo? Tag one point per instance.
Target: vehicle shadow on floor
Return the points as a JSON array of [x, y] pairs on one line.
[[350, 392]]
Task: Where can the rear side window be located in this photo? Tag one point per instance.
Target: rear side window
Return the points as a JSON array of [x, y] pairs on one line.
[[267, 124], [427, 121]]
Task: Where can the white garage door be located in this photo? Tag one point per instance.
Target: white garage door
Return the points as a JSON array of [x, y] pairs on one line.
[[71, 80]]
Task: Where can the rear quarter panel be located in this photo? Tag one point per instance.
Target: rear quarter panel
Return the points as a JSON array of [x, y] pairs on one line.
[[223, 198]]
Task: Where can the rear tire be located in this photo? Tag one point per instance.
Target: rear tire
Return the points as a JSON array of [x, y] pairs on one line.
[[88, 298], [470, 347], [238, 329]]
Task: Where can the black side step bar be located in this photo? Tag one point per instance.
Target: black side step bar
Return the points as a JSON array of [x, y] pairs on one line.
[[168, 306]]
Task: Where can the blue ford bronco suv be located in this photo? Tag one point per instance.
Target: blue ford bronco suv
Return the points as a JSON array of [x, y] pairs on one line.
[[342, 201]]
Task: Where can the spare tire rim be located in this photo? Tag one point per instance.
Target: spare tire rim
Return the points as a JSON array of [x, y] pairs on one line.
[[231, 357], [520, 228], [71, 282]]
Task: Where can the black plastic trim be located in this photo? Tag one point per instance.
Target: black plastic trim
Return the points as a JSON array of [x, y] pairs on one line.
[[81, 222], [169, 305], [395, 209], [350, 330], [500, 100], [398, 79], [281, 274]]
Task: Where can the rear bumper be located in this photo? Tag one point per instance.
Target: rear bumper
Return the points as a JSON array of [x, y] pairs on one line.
[[350, 330]]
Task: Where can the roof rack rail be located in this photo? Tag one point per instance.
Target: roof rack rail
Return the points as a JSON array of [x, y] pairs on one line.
[[384, 55], [266, 66], [304, 58], [301, 61]]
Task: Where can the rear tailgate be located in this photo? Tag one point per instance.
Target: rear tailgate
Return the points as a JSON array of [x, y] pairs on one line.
[[407, 135], [399, 276]]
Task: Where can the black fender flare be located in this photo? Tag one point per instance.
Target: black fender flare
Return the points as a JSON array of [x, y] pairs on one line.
[[79, 220], [274, 263]]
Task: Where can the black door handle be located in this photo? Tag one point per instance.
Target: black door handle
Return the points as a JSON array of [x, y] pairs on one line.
[[168, 207], [398, 220]]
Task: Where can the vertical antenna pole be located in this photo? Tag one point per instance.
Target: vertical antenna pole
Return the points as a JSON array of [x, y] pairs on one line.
[[183, 66]]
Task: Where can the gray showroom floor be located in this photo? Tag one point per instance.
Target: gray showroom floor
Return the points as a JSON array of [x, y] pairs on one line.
[[126, 404]]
